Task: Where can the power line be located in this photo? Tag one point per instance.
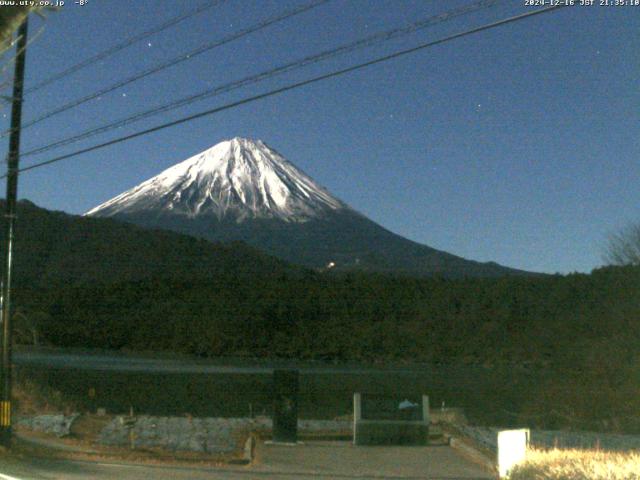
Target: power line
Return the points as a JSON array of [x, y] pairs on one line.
[[293, 86], [174, 61], [122, 45], [303, 62]]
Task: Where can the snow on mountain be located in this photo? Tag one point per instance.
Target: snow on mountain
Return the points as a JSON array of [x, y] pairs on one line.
[[236, 179]]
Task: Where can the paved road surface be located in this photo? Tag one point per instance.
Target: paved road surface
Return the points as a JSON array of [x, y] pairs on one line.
[[344, 460], [321, 460], [126, 363]]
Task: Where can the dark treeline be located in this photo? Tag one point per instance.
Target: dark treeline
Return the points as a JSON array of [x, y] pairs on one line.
[[363, 317], [583, 329]]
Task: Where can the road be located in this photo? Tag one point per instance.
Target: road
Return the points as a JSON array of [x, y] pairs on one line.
[[126, 363], [321, 460]]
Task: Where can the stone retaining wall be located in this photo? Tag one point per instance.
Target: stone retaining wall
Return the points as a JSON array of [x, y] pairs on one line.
[[204, 435], [58, 425]]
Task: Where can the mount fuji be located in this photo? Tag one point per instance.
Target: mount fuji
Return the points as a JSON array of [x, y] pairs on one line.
[[242, 189]]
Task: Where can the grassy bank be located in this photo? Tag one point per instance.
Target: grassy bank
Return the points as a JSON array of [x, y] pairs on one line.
[[578, 465], [31, 398]]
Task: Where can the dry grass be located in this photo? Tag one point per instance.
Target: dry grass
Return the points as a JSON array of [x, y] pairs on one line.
[[578, 465], [32, 399]]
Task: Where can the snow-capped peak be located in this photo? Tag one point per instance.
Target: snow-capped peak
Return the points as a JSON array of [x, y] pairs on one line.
[[235, 179]]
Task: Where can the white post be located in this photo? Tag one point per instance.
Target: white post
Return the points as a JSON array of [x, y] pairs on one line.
[[425, 409], [512, 449], [357, 413]]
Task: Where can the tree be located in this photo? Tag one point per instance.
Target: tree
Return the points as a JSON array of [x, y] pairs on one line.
[[623, 248], [10, 19]]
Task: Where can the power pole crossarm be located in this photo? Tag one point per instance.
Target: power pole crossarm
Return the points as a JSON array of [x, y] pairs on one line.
[[12, 197]]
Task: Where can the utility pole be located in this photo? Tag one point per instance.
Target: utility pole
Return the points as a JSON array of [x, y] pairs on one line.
[[10, 218]]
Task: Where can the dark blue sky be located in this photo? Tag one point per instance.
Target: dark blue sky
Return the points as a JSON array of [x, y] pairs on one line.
[[519, 144]]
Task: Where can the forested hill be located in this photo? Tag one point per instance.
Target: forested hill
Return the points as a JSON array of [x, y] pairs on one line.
[[355, 317], [54, 249]]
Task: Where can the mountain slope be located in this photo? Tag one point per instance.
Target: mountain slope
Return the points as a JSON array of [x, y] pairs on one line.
[[242, 189]]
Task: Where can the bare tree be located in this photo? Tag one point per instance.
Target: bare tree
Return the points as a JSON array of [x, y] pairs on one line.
[[623, 248]]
